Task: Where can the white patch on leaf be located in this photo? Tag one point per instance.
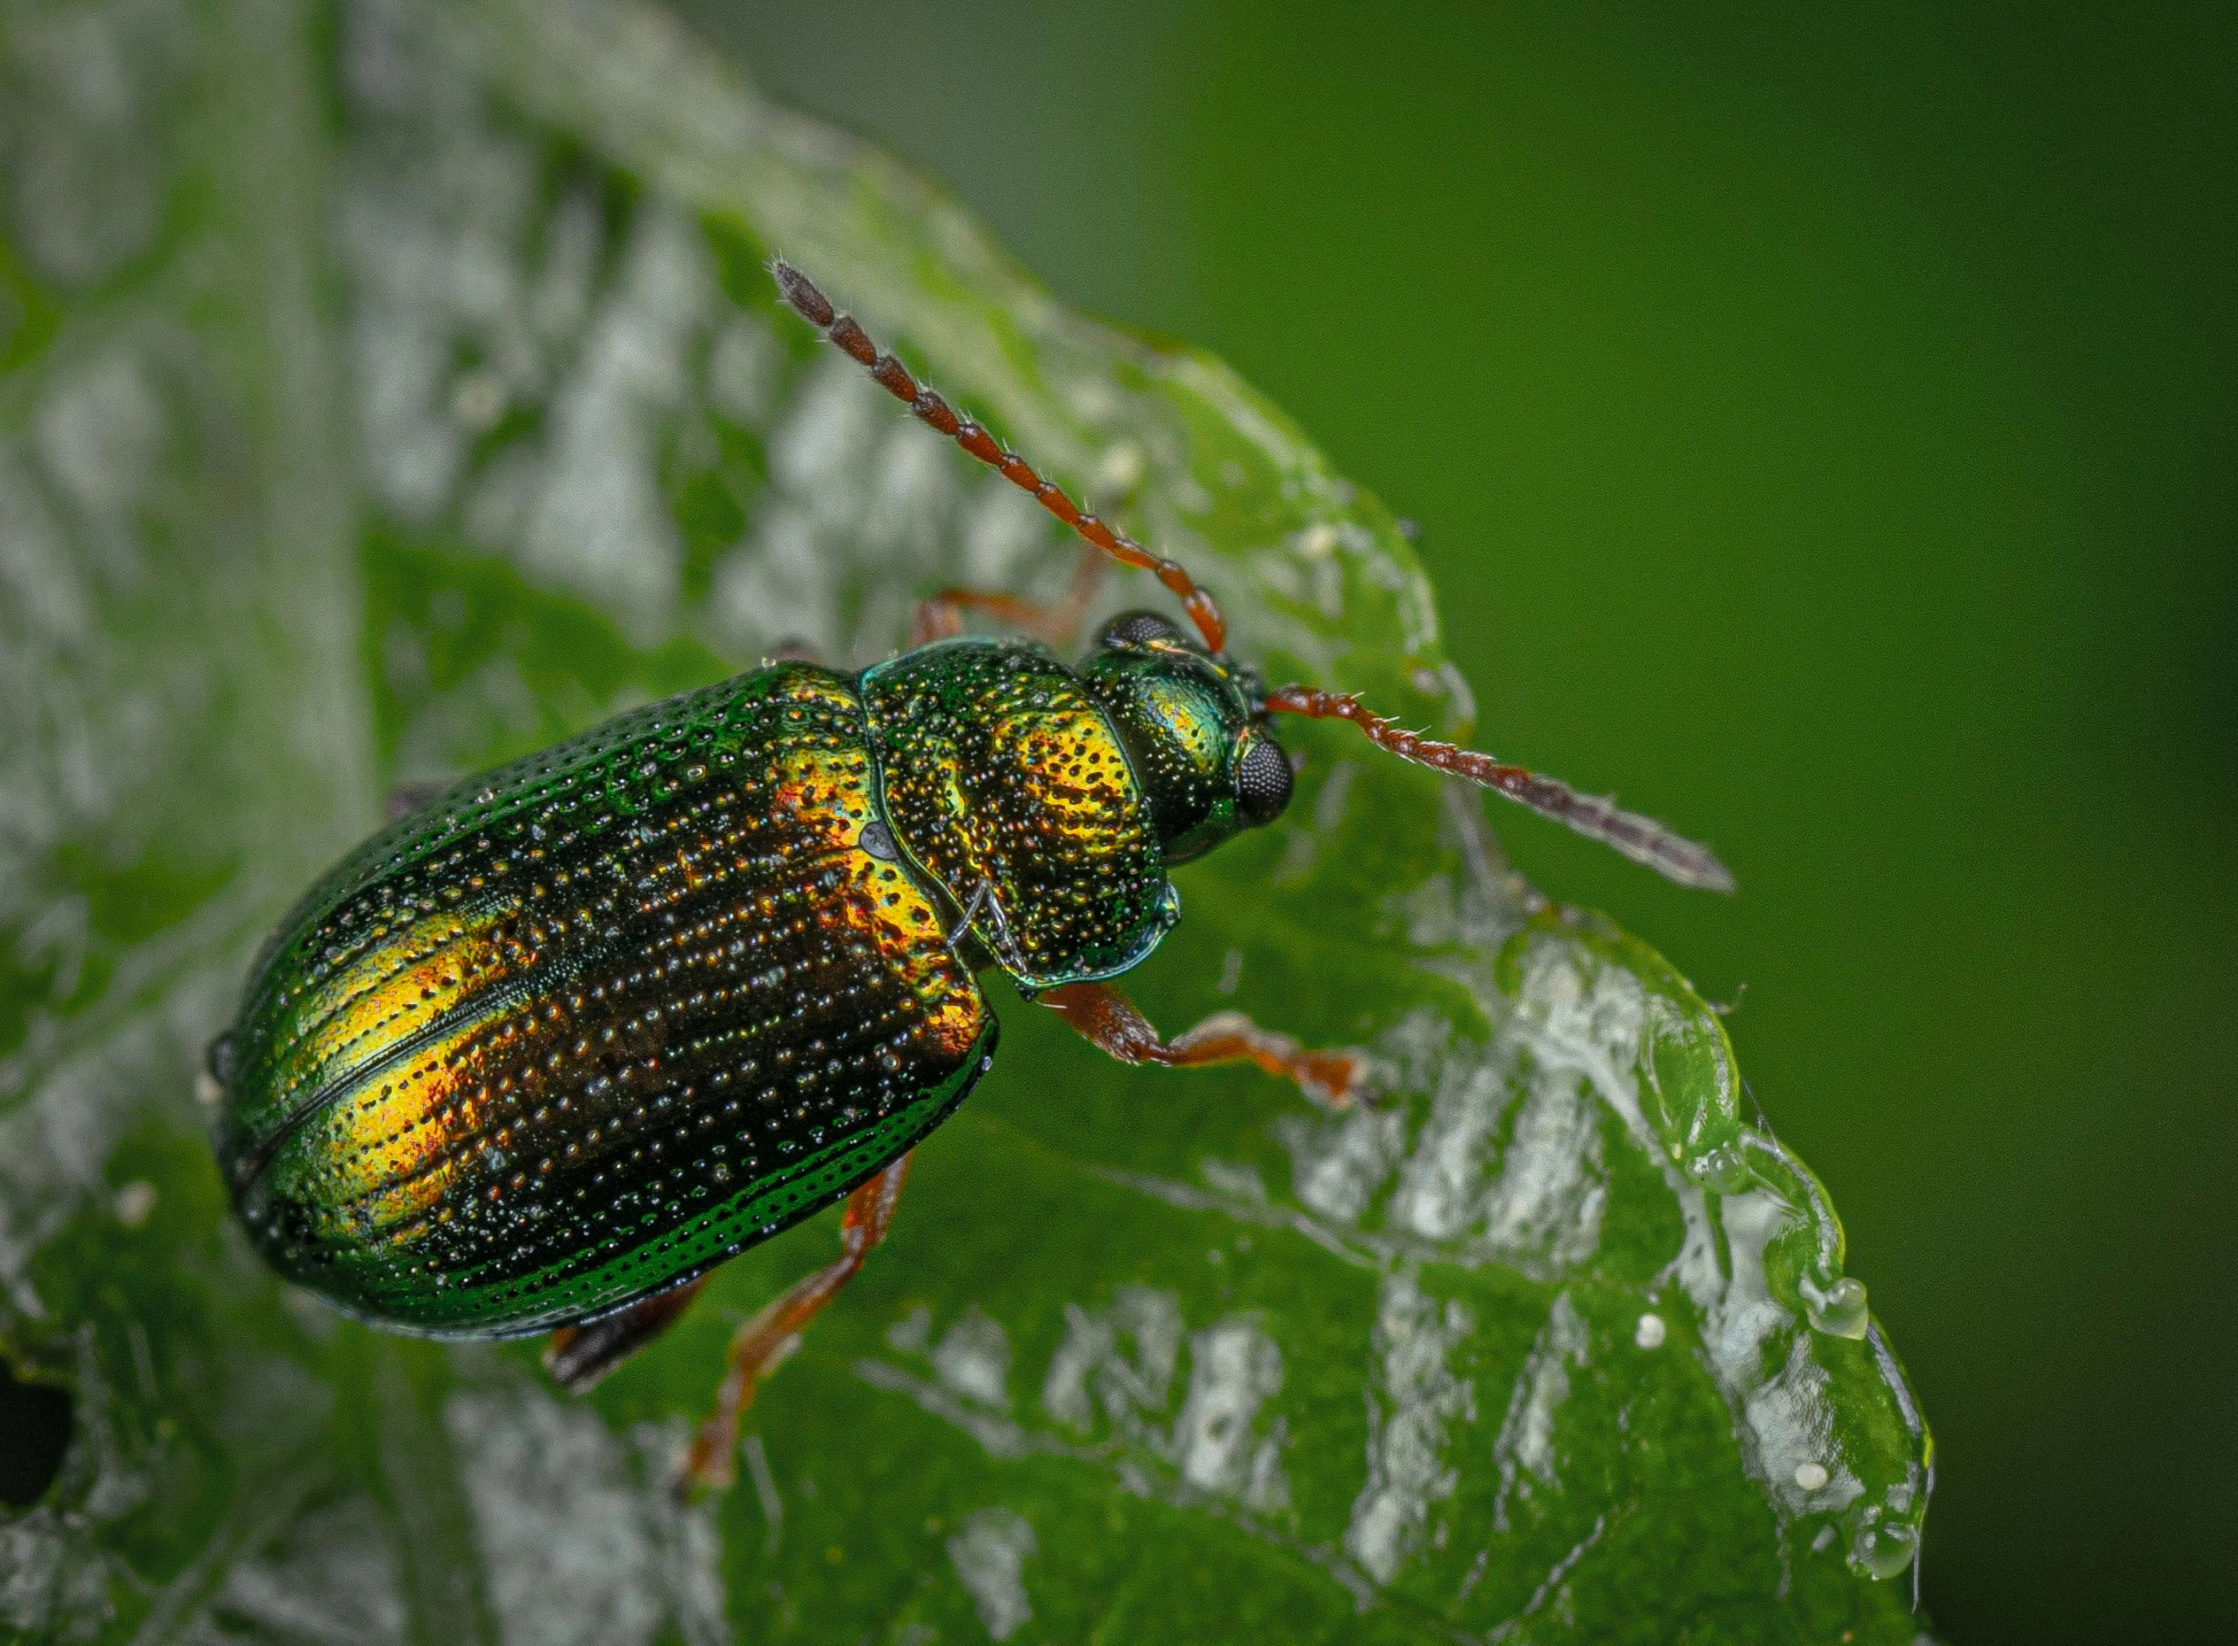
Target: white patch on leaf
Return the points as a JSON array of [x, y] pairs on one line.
[[1234, 1369], [1527, 1447], [1415, 1403], [579, 1542], [973, 1359], [989, 1556]]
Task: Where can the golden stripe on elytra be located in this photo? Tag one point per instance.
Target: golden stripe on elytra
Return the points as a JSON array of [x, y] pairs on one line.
[[413, 977], [487, 1005]]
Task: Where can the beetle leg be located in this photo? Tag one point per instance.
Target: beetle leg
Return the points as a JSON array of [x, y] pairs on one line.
[[409, 796], [763, 1341], [1101, 1015], [578, 1356], [942, 616]]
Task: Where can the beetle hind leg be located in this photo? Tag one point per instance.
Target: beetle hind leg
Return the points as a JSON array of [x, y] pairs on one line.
[[1108, 1020], [407, 797], [764, 1341], [579, 1356]]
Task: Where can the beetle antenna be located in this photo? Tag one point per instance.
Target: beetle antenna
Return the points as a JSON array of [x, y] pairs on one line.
[[930, 409], [1642, 839]]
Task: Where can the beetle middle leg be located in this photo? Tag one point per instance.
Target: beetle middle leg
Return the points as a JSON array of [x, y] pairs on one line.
[[760, 1344], [1107, 1019], [942, 616], [578, 1356]]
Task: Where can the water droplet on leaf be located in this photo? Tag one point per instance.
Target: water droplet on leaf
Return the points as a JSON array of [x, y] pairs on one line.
[[1839, 1310]]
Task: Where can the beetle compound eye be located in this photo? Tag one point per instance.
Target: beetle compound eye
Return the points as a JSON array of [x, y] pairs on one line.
[[1137, 629], [1262, 782]]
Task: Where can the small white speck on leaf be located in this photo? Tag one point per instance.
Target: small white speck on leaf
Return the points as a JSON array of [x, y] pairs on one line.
[[478, 401], [1811, 1477], [1121, 469], [1231, 972], [1650, 1332], [136, 1203]]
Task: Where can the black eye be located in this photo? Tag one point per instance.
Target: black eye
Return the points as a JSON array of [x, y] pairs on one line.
[[1136, 629], [1262, 782]]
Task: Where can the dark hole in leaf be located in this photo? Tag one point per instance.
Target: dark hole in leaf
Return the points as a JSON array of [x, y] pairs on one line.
[[34, 1433]]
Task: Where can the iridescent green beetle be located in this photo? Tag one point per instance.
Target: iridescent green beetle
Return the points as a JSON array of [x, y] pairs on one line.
[[544, 1052]]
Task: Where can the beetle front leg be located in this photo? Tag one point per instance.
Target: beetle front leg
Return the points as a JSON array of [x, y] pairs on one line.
[[764, 1341], [1101, 1015], [942, 616]]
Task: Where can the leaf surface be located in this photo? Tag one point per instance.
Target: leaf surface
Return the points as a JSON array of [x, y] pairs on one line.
[[384, 401]]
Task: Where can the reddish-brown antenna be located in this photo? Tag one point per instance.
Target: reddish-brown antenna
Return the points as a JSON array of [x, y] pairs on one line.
[[1642, 839], [930, 409]]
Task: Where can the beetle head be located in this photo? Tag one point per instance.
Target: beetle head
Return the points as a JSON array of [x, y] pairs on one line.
[[1194, 725]]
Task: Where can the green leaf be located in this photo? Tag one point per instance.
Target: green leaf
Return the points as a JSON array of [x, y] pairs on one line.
[[385, 399]]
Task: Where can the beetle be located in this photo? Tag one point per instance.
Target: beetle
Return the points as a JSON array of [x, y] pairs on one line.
[[553, 1045]]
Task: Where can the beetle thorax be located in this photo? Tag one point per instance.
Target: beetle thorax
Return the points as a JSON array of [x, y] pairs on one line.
[[1007, 787]]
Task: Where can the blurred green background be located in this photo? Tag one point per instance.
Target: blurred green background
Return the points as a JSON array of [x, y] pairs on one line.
[[1821, 430]]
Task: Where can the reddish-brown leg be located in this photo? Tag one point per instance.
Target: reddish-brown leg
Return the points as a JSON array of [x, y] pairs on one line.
[[578, 1356], [766, 1339], [1100, 1014], [943, 615]]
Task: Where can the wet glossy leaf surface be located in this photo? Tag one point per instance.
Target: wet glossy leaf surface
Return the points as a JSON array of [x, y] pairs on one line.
[[385, 401]]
